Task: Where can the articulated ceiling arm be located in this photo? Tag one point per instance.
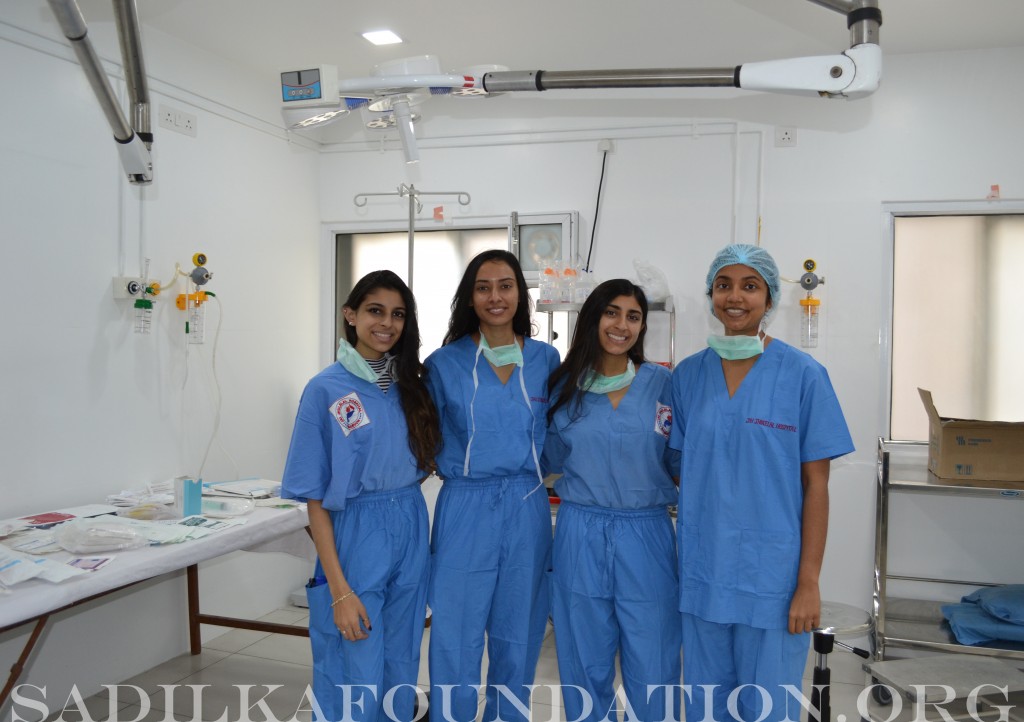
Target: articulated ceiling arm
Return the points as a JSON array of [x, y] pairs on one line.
[[852, 74], [128, 32], [134, 152]]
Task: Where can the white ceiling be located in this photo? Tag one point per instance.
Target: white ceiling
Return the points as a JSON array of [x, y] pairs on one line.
[[276, 35], [269, 36]]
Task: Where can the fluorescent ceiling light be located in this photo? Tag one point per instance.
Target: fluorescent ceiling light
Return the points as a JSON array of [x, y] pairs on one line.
[[382, 37]]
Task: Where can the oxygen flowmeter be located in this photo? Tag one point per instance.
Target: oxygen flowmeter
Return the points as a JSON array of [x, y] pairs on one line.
[[809, 305], [192, 303]]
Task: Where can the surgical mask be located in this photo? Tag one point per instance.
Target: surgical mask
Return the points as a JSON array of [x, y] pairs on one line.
[[734, 348], [354, 363], [597, 383], [503, 355]]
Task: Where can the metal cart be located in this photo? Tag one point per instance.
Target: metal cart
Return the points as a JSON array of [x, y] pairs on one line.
[[916, 624]]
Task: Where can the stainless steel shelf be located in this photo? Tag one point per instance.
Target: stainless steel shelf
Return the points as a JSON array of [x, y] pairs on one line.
[[558, 307], [665, 306], [919, 624]]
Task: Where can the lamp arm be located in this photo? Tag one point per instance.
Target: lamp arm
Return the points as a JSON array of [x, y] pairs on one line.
[[853, 74], [386, 84]]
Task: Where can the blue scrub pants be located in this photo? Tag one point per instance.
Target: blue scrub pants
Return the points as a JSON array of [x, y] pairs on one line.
[[382, 545], [491, 555], [734, 655], [615, 587]]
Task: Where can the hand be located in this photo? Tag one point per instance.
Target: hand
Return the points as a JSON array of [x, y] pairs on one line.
[[348, 614], [805, 608]]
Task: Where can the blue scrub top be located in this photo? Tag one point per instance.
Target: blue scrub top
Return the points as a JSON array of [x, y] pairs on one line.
[[617, 458], [350, 437], [501, 445], [741, 493]]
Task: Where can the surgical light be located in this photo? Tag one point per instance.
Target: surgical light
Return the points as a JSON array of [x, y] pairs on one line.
[[320, 118]]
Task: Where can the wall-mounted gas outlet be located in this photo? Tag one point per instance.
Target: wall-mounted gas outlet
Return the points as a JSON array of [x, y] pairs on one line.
[[785, 137], [177, 120], [128, 287]]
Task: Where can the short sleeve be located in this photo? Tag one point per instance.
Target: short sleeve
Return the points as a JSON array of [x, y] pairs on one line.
[[677, 434], [432, 381], [307, 470], [824, 431]]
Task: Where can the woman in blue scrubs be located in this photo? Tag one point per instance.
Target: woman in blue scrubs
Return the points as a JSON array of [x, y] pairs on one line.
[[365, 436], [491, 540], [615, 586], [758, 423]]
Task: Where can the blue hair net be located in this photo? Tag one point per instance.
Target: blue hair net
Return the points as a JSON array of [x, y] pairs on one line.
[[755, 257]]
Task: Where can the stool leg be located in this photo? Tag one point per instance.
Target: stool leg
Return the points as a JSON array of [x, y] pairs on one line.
[[821, 679]]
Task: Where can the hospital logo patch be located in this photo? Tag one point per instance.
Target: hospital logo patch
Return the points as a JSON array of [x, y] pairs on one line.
[[349, 412], [663, 420]]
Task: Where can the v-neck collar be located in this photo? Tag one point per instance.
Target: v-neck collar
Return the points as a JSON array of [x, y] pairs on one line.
[[490, 369], [722, 388], [614, 409]]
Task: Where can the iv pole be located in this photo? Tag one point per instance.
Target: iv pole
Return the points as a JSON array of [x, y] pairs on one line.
[[415, 206]]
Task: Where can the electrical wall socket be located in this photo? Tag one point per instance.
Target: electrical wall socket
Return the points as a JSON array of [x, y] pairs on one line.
[[128, 287], [785, 137], [177, 120]]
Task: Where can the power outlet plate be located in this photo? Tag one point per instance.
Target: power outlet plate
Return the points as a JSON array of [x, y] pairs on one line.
[[177, 120], [785, 137]]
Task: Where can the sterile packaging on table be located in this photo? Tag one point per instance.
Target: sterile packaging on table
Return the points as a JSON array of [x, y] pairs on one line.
[[966, 449], [106, 533]]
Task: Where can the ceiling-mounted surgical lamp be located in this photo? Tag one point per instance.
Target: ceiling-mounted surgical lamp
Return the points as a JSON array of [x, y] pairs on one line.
[[397, 85]]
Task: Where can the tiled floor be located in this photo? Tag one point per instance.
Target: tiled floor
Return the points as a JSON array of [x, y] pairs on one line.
[[242, 657]]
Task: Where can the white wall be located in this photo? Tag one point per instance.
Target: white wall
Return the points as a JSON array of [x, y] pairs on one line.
[[941, 127], [88, 407]]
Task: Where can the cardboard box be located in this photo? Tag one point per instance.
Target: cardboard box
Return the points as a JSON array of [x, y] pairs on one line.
[[970, 449]]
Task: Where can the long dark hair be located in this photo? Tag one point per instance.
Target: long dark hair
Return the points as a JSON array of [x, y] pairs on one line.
[[585, 350], [464, 320], [420, 413]]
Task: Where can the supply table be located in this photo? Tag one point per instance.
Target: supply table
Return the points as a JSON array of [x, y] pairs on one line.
[[35, 601]]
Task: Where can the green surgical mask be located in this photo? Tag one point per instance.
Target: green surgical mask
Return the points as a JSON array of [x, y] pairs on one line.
[[734, 348], [503, 355], [597, 383], [354, 363]]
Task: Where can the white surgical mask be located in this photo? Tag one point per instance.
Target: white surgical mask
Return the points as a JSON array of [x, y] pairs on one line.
[[354, 363], [597, 383], [734, 348], [502, 355]]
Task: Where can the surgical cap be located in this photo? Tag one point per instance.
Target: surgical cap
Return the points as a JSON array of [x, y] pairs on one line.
[[755, 257]]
